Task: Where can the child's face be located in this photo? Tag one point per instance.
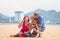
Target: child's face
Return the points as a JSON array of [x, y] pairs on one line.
[[31, 18]]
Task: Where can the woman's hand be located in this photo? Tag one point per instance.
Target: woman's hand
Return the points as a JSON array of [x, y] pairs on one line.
[[25, 32], [21, 24]]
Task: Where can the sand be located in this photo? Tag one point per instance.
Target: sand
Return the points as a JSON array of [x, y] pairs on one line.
[[50, 33]]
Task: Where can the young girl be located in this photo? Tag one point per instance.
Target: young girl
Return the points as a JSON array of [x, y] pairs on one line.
[[25, 28]]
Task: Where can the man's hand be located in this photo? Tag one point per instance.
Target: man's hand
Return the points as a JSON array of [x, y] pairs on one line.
[[39, 24]]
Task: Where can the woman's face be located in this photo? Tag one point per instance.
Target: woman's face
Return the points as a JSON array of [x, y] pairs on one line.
[[26, 19]]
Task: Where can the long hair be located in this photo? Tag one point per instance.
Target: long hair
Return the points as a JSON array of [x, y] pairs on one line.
[[25, 17]]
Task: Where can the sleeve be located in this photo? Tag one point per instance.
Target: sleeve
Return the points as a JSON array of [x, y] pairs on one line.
[[40, 20]]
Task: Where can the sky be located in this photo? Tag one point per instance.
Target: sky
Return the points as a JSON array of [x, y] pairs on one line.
[[8, 7]]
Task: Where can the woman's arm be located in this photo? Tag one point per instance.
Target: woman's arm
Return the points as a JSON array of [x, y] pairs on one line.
[[30, 28], [19, 26]]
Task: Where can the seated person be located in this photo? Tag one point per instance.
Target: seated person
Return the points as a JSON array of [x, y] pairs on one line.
[[37, 25], [25, 28]]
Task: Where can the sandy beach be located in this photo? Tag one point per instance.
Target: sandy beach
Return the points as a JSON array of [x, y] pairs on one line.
[[50, 33]]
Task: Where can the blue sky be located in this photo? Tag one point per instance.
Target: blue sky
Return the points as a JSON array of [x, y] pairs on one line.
[[9, 6]]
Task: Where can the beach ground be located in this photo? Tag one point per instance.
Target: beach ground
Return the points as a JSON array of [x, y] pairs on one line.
[[50, 33]]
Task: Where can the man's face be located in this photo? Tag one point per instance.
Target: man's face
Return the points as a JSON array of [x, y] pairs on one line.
[[35, 16]]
